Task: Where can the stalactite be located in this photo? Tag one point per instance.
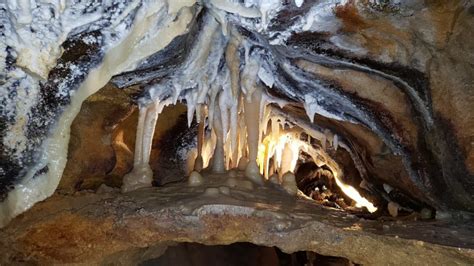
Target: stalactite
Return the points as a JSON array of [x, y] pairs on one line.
[[233, 63], [198, 163], [264, 118], [252, 102], [215, 88], [138, 157], [209, 145], [268, 154], [286, 159], [329, 137], [218, 163], [224, 113], [252, 112], [141, 174], [149, 130], [191, 107], [195, 179]]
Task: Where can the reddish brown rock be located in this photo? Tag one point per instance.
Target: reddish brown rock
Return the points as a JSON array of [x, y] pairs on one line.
[[129, 228]]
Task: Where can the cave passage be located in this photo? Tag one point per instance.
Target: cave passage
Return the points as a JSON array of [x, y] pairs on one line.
[[287, 155], [275, 145], [193, 254]]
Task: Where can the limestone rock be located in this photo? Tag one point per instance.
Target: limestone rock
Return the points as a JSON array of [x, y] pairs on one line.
[[195, 179], [98, 228], [393, 208], [289, 183]]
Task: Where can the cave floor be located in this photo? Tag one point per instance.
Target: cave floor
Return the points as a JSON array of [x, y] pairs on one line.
[[110, 227]]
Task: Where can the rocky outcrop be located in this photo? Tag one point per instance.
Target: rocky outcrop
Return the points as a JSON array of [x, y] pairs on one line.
[[129, 228]]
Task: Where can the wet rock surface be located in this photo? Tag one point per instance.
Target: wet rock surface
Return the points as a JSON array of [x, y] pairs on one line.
[[95, 151], [137, 226], [392, 80]]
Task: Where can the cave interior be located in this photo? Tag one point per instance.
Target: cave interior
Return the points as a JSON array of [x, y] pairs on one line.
[[223, 132]]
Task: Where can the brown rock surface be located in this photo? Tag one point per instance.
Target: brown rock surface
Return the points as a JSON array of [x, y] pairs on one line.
[[93, 147], [426, 43], [132, 227], [102, 140]]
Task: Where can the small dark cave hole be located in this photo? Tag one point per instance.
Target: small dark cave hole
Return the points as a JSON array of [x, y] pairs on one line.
[[237, 254], [318, 184]]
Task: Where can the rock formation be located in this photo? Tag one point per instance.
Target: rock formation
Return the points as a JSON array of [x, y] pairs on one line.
[[135, 94]]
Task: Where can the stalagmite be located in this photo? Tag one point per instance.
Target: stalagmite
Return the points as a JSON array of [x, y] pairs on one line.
[[252, 101], [211, 191], [274, 179], [243, 162], [190, 161], [393, 208], [142, 175], [426, 213], [289, 183], [195, 179]]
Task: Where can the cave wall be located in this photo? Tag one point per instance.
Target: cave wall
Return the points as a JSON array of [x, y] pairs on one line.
[[422, 43], [101, 147]]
